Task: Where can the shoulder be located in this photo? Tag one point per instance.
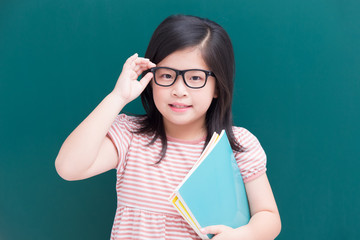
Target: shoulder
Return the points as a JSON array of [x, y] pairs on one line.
[[122, 133], [130, 123], [244, 137], [124, 126], [252, 159]]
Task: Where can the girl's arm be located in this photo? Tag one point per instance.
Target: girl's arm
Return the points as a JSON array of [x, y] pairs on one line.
[[265, 219], [87, 151]]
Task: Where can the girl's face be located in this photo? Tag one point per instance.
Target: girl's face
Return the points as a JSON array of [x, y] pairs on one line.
[[183, 108]]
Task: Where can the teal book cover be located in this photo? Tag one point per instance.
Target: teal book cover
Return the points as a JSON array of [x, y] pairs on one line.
[[214, 192]]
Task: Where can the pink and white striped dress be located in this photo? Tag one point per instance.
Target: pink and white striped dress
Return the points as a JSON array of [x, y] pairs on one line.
[[143, 187]]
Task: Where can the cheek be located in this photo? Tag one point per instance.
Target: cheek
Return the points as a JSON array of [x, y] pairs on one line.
[[155, 96], [205, 99], [209, 96], [211, 91], [158, 96]]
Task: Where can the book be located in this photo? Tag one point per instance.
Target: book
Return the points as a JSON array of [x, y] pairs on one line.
[[213, 192]]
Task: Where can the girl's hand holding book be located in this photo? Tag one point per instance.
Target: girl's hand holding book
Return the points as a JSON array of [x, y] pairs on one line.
[[222, 232]]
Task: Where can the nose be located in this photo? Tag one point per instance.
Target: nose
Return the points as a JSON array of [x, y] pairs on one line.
[[179, 89]]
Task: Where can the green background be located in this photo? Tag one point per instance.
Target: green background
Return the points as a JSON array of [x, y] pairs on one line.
[[297, 90]]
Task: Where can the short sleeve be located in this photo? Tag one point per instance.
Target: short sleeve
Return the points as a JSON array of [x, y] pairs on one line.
[[252, 160], [121, 133]]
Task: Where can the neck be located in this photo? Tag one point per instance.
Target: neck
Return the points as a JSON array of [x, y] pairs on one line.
[[186, 132]]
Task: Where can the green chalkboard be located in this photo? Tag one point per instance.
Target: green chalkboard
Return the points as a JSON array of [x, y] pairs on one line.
[[297, 90]]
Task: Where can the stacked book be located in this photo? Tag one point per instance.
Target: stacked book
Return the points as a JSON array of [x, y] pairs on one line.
[[213, 192]]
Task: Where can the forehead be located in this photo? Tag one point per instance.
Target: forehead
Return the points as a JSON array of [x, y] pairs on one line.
[[184, 59]]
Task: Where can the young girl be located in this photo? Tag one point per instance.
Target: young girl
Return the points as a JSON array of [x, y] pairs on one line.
[[186, 90]]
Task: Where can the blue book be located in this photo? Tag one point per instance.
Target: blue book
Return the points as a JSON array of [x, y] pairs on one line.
[[213, 192]]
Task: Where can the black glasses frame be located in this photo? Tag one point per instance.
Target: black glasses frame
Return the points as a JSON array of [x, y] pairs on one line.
[[182, 73]]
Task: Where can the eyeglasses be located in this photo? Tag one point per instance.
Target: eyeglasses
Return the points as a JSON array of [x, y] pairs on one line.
[[193, 78]]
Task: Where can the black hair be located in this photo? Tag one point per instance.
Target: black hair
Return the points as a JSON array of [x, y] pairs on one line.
[[178, 32]]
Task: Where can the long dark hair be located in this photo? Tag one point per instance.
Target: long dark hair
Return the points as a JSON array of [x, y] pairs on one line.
[[178, 32]]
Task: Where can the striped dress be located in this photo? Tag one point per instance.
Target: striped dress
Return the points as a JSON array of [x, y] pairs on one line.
[[143, 188]]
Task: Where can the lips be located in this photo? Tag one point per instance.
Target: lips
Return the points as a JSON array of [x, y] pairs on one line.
[[179, 107]]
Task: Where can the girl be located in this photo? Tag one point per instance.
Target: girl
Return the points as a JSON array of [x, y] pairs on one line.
[[186, 90]]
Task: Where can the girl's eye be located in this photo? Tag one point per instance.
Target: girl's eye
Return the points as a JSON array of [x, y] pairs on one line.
[[195, 78], [166, 76]]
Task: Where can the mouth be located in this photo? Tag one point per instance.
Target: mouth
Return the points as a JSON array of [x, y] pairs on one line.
[[177, 107]]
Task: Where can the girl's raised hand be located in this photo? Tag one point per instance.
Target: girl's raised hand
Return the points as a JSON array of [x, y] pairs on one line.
[[127, 86]]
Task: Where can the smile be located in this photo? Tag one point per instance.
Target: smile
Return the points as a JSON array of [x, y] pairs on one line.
[[179, 107]]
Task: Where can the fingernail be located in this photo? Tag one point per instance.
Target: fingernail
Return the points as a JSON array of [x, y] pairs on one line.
[[203, 230]]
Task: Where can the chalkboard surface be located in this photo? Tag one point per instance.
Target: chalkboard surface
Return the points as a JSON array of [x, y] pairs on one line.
[[297, 90]]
